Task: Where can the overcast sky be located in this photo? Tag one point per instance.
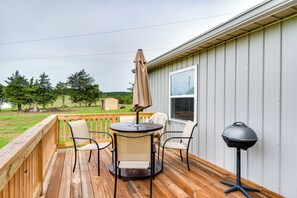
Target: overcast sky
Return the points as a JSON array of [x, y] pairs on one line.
[[100, 36]]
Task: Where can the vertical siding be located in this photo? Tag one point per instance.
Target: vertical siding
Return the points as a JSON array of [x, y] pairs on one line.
[[160, 83], [210, 105], [230, 59], [288, 132], [165, 84], [271, 110], [219, 105], [202, 103], [195, 61], [241, 91], [255, 107], [250, 79]]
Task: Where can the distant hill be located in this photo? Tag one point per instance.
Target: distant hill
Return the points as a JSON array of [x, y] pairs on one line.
[[116, 93]]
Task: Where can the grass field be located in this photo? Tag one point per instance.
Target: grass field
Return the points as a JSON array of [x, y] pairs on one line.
[[13, 123]]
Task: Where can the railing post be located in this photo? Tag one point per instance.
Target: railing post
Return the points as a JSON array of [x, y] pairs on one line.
[[39, 167], [57, 133]]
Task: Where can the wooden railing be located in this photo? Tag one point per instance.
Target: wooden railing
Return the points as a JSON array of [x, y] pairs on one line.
[[25, 161], [96, 122]]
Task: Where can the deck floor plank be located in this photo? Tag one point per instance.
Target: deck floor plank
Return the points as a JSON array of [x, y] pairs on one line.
[[86, 185], [66, 177], [75, 190], [98, 183], [55, 181], [203, 181], [122, 188]]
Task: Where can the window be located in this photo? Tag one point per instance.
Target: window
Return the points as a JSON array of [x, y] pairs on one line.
[[182, 94]]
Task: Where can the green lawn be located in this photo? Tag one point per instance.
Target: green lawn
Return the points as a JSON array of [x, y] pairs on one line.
[[13, 123]]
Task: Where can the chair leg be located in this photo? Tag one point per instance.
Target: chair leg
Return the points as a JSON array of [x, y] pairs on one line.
[[90, 155], [112, 157], [112, 153], [162, 157], [188, 159], [115, 183], [159, 145], [181, 155], [151, 181], [98, 162], [74, 161], [153, 166]]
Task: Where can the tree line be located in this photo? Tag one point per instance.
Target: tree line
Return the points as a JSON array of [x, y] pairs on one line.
[[21, 91], [123, 97]]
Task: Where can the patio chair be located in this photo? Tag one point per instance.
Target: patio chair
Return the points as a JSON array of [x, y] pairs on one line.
[[133, 151], [81, 134], [159, 118], [184, 140]]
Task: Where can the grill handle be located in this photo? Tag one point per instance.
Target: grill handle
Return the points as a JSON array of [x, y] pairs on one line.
[[239, 124]]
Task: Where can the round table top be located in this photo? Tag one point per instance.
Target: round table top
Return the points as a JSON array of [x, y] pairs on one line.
[[129, 127]]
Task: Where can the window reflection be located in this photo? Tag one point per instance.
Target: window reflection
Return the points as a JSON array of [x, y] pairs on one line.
[[182, 108], [182, 83]]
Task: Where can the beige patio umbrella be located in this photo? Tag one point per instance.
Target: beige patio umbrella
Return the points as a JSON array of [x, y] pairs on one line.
[[141, 92]]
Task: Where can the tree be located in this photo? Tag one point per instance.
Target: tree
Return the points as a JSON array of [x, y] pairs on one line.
[[15, 92], [1, 95], [44, 90], [31, 92], [79, 84], [92, 94], [61, 90]]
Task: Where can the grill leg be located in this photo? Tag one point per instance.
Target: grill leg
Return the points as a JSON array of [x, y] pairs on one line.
[[233, 188], [237, 185]]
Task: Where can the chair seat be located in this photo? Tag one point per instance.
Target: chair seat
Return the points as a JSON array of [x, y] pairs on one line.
[[174, 145], [134, 164], [93, 146]]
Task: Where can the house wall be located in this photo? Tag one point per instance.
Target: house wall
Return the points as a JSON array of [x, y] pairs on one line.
[[252, 79]]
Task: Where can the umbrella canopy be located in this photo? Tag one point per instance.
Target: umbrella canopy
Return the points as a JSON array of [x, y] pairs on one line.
[[141, 92]]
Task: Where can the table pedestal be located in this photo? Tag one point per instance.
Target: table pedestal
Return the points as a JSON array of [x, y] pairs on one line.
[[127, 174]]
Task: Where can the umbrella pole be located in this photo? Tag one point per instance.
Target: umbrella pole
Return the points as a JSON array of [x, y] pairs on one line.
[[137, 117]]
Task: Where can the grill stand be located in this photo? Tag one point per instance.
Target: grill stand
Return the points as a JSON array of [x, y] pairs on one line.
[[237, 185]]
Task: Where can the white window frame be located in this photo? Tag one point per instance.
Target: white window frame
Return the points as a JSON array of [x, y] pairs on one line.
[[194, 67]]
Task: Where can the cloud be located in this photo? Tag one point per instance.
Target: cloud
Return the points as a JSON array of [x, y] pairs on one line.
[[32, 19]]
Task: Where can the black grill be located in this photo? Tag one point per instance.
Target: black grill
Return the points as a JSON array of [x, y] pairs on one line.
[[240, 136]]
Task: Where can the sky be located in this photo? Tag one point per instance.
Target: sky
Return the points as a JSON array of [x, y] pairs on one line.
[[61, 37]]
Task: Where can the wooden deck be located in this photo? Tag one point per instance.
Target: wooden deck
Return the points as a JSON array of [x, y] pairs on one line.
[[175, 181]]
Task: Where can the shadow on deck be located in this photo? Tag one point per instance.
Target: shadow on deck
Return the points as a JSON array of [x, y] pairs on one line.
[[175, 181]]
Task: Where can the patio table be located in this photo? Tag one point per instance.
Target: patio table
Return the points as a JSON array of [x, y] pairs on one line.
[[128, 127]]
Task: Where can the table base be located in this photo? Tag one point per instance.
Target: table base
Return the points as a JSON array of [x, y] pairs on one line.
[[127, 174]]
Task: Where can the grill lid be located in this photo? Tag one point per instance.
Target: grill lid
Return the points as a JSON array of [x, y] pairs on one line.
[[238, 131]]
